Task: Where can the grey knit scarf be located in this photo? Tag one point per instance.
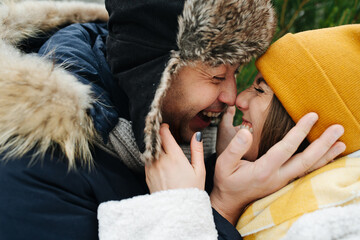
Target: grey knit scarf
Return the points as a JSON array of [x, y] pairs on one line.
[[122, 145]]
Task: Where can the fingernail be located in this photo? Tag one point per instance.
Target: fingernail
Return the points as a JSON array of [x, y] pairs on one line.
[[314, 118], [341, 148], [198, 136], [242, 139], [340, 131]]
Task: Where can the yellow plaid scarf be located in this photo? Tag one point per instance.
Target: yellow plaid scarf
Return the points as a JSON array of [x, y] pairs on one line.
[[336, 184]]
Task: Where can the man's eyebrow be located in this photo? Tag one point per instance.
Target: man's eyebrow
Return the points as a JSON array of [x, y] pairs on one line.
[[260, 80]]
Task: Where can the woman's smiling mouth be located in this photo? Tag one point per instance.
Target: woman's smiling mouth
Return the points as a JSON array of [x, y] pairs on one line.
[[246, 124]]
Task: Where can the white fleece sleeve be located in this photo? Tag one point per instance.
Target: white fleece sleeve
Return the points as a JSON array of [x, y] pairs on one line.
[[172, 214], [327, 224]]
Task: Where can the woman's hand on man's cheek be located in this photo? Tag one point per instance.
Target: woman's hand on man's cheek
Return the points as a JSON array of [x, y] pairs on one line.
[[173, 170], [226, 130]]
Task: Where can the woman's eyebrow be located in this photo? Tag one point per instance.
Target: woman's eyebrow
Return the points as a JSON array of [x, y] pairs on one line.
[[260, 80]]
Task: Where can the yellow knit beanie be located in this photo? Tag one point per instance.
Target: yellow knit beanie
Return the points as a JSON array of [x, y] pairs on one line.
[[318, 71]]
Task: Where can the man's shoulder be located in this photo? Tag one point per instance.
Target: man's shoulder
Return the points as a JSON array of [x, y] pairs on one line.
[[44, 199], [106, 179]]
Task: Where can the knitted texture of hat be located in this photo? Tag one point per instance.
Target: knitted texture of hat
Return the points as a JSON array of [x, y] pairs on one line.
[[318, 71], [225, 32]]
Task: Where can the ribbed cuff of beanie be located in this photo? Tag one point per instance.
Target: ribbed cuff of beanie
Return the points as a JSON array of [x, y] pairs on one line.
[[317, 71]]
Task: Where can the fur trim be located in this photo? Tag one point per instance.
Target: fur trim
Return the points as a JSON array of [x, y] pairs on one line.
[[225, 32], [41, 104], [154, 117], [214, 32], [22, 20]]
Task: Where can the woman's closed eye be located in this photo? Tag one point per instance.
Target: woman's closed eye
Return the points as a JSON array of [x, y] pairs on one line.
[[258, 89]]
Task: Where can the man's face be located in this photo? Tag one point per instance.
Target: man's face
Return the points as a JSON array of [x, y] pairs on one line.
[[196, 95]]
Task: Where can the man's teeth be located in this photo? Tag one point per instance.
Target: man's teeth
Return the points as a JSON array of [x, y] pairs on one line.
[[247, 127], [211, 114]]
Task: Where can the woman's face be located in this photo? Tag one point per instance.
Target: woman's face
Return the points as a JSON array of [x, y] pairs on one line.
[[254, 103]]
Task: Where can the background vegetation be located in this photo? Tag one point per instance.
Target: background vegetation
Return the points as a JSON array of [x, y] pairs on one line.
[[300, 15]]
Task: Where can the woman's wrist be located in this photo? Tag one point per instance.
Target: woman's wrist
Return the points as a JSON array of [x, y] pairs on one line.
[[225, 208]]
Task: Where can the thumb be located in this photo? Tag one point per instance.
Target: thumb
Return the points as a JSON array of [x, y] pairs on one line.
[[197, 153], [228, 117], [168, 142], [233, 153]]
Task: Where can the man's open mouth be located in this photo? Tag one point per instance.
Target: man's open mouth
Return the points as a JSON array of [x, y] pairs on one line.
[[211, 117], [204, 118], [211, 114]]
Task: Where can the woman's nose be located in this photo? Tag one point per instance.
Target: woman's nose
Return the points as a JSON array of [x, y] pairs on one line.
[[242, 100]]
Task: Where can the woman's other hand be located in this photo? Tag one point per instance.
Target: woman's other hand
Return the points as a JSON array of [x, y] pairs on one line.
[[173, 170], [226, 130], [238, 182]]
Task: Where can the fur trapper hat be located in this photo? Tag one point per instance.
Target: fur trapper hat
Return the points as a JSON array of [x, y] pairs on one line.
[[150, 40]]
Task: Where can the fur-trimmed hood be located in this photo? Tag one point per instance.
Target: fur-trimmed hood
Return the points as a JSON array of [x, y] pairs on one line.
[[41, 104]]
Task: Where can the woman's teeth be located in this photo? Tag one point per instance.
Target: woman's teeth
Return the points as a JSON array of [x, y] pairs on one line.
[[247, 126], [211, 114]]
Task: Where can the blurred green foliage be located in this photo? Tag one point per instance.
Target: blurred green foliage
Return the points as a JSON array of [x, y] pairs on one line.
[[301, 15]]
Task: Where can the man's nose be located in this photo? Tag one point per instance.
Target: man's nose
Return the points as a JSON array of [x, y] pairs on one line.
[[228, 92]]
